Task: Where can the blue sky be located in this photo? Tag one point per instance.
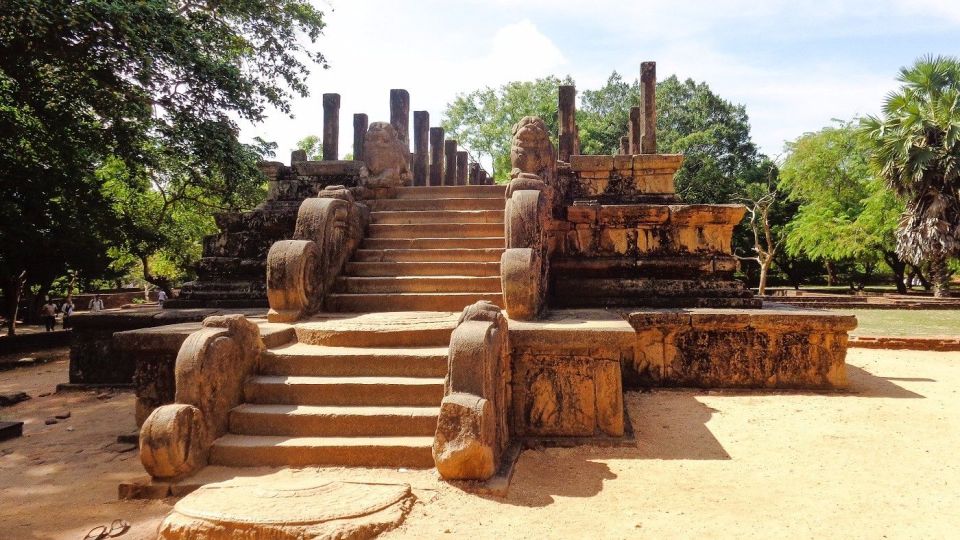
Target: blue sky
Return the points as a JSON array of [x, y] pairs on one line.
[[795, 65]]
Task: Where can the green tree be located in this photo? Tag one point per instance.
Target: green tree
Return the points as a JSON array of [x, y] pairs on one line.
[[157, 85], [845, 213], [481, 120], [604, 114], [313, 146], [916, 147]]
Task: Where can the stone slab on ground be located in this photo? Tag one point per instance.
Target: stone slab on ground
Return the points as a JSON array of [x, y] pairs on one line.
[[12, 398], [288, 505], [10, 430]]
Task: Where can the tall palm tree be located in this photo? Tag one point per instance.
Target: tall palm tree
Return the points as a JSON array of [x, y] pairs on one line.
[[916, 146]]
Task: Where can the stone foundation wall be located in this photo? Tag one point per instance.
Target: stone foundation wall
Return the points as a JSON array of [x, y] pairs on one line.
[[569, 370], [770, 348]]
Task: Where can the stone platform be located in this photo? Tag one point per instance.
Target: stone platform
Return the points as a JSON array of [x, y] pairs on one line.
[[569, 369]]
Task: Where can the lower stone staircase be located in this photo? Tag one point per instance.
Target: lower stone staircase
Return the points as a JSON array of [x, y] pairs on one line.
[[362, 387]]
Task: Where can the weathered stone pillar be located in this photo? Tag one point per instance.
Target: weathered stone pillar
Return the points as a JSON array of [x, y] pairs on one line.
[[568, 122], [400, 114], [648, 104], [450, 162], [436, 156], [360, 123], [624, 145], [634, 131], [297, 156], [421, 147], [331, 126], [462, 163], [474, 178]]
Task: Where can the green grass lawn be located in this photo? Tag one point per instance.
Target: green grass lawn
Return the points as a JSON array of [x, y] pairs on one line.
[[905, 322]]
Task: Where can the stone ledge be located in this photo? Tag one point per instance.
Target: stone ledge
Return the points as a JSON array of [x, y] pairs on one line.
[[916, 343]]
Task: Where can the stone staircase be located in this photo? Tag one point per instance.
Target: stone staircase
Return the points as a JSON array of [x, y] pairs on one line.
[[362, 387], [428, 249]]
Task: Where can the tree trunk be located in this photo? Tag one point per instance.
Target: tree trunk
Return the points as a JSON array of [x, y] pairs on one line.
[[924, 282], [831, 273], [160, 281], [12, 290], [899, 270], [940, 277], [764, 269]]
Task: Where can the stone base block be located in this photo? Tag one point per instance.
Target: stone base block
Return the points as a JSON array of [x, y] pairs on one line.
[[566, 379], [773, 347]]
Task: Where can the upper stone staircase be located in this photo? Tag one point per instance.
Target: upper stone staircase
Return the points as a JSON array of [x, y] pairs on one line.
[[363, 387], [428, 249]]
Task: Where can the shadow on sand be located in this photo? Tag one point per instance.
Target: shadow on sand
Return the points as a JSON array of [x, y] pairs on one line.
[[669, 424]]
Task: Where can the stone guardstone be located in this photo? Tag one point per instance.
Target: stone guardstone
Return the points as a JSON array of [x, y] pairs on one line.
[[287, 509]]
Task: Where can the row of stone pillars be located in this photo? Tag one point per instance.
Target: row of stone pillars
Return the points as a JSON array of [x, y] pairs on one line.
[[435, 161], [641, 130]]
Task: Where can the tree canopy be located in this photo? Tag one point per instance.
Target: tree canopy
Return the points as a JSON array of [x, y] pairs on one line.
[[481, 120], [916, 148], [845, 212], [156, 86], [713, 133]]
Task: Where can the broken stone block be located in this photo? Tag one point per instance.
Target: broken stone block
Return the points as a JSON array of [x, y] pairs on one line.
[[12, 398], [62, 416], [10, 430]]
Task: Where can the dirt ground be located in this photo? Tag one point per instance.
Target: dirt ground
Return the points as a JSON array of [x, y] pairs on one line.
[[879, 460]]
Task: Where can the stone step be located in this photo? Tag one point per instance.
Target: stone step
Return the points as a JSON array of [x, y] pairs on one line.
[[417, 284], [358, 391], [435, 243], [437, 216], [301, 359], [429, 255], [254, 451], [436, 204], [383, 269], [452, 192], [409, 301], [379, 329], [318, 421], [434, 230]]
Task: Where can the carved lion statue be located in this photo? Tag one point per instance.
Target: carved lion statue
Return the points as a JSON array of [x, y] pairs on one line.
[[386, 157], [531, 151]]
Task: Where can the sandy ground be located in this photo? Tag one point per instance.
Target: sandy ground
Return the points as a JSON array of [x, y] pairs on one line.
[[877, 461]]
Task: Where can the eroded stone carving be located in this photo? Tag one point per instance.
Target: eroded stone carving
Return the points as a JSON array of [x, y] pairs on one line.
[[473, 430], [212, 365], [531, 150], [387, 158], [523, 266], [301, 271]]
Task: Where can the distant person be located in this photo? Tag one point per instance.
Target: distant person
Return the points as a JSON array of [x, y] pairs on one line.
[[49, 314], [161, 297], [67, 310], [96, 304]]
